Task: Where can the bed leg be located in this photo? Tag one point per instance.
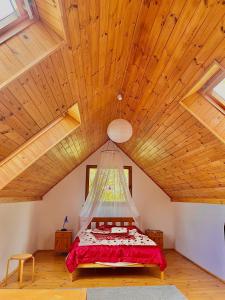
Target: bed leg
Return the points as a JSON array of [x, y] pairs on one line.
[[73, 276], [162, 275]]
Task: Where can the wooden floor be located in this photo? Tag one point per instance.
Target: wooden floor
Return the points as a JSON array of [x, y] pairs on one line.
[[193, 282]]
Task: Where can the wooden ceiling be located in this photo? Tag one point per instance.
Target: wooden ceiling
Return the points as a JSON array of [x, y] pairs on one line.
[[151, 51]]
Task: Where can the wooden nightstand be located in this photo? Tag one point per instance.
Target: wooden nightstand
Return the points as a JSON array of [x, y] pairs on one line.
[[156, 236], [63, 241]]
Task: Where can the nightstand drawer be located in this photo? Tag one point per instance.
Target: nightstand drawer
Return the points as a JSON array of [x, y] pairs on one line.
[[63, 241], [156, 236], [62, 234]]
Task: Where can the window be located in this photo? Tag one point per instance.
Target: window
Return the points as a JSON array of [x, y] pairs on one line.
[[90, 174], [15, 15], [214, 90], [219, 90]]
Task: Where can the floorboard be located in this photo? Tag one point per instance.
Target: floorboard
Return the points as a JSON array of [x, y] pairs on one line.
[[192, 281]]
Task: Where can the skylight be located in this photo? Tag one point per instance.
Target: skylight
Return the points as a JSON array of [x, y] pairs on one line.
[[219, 89], [8, 13], [15, 15], [214, 89]]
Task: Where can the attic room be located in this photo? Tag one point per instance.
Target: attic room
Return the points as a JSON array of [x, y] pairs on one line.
[[112, 151]]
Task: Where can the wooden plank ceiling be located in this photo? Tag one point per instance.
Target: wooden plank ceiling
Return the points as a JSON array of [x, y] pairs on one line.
[[151, 51]]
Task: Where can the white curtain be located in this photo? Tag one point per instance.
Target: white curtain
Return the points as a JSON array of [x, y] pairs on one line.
[[109, 195]]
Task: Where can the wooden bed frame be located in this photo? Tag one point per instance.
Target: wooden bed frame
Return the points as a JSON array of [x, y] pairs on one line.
[[119, 221]]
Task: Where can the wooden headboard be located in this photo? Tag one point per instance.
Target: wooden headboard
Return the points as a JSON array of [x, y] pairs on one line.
[[119, 221]]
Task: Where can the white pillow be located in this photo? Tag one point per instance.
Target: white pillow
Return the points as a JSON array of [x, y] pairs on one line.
[[132, 231], [96, 230], [118, 230]]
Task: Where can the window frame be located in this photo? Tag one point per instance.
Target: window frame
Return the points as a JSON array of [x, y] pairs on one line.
[[20, 23], [88, 167], [208, 93]]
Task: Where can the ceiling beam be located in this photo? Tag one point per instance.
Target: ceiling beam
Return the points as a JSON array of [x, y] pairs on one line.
[[37, 146]]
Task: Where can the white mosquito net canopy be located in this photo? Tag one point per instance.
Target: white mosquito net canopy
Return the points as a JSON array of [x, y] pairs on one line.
[[109, 195]]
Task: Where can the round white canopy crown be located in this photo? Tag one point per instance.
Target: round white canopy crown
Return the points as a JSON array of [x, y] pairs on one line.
[[119, 130]]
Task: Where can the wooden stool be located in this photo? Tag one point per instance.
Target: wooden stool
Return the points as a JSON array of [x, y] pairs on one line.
[[21, 259]]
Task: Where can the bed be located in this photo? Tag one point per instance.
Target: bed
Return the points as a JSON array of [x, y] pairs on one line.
[[129, 253]]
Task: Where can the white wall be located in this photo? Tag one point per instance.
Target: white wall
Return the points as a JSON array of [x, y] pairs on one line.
[[18, 231], [200, 235], [67, 197]]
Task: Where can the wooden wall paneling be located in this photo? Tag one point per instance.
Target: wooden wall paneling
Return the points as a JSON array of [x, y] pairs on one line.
[[174, 66], [27, 185], [114, 12], [123, 47], [17, 107], [45, 169], [45, 90], [60, 70], [20, 51], [53, 82], [152, 75], [36, 147], [85, 47], [207, 114], [183, 153], [7, 65], [145, 48], [9, 119], [28, 83], [196, 161], [103, 37], [19, 92], [212, 70], [71, 72], [50, 13], [147, 137], [93, 35], [5, 142], [10, 139], [178, 48], [75, 66], [46, 37], [8, 100], [153, 52], [18, 54]]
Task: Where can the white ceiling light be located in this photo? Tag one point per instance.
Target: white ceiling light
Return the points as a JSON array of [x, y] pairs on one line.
[[119, 97], [119, 130]]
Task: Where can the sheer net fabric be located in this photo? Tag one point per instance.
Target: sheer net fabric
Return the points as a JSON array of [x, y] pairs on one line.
[[109, 195]]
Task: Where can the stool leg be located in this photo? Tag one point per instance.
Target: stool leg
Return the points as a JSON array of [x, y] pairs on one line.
[[21, 273], [7, 272], [19, 264], [33, 269]]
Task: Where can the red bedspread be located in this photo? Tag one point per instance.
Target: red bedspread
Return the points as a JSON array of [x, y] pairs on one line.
[[133, 254]]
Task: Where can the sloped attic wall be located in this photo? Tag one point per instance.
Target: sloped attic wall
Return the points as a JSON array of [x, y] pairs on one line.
[[67, 197], [18, 231]]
